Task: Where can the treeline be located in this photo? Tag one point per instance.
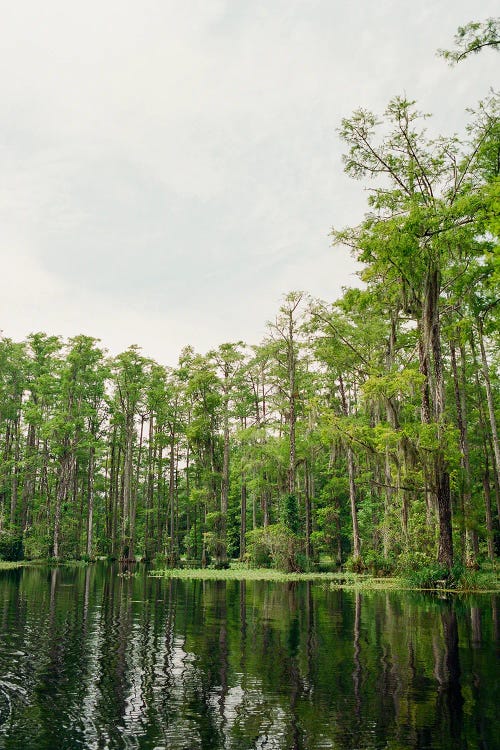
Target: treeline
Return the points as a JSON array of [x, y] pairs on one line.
[[365, 430]]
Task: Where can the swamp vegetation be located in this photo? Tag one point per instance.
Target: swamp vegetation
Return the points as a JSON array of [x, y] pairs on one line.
[[364, 430]]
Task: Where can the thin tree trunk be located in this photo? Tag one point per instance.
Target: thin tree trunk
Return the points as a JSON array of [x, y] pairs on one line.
[[307, 501], [15, 475], [432, 344], [243, 522], [466, 495], [90, 501], [29, 476], [356, 542], [63, 485], [171, 498], [489, 399], [487, 505]]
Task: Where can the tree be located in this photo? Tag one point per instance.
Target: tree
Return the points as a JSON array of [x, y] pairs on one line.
[[472, 38], [421, 223]]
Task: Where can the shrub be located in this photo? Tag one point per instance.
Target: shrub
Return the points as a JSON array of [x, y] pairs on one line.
[[276, 545], [355, 565], [11, 546], [258, 553], [304, 564], [427, 577], [377, 564], [160, 561], [420, 571]]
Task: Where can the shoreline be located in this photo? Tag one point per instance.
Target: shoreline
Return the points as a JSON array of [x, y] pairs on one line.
[[347, 580], [338, 579]]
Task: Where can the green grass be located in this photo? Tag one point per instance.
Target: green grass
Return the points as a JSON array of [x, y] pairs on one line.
[[482, 581], [485, 580], [240, 573], [5, 565]]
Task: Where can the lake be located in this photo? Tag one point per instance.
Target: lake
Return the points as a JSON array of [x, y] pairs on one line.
[[90, 659]]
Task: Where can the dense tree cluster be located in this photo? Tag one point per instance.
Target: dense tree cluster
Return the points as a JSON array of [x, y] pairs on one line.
[[365, 429]]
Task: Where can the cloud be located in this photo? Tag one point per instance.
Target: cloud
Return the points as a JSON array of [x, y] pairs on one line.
[[171, 169]]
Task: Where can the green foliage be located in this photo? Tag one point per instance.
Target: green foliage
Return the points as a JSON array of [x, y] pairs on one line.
[[276, 545], [427, 577], [348, 415], [376, 564], [472, 38], [355, 565], [289, 513], [11, 546], [258, 552]]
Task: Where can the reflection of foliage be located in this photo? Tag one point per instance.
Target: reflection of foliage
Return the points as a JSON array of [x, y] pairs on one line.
[[258, 660]]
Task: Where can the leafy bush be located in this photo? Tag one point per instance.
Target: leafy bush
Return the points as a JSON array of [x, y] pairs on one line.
[[377, 564], [427, 577], [214, 537], [355, 565], [274, 545], [304, 564], [258, 552], [160, 561], [420, 571], [11, 546]]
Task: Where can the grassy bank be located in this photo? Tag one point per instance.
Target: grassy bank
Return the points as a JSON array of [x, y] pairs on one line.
[[485, 580], [7, 565], [482, 581], [346, 580]]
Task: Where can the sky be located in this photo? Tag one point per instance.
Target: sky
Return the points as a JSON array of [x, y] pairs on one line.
[[171, 169]]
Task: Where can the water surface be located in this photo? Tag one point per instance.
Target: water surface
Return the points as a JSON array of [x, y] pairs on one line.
[[90, 659]]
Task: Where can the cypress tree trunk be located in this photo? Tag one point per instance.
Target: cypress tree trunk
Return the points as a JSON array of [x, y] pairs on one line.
[[489, 399], [171, 499], [29, 476], [148, 503], [126, 550], [356, 542], [90, 501], [63, 485], [225, 477], [243, 517], [432, 347], [460, 403]]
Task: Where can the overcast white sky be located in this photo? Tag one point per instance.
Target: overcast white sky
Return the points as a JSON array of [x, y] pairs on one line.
[[170, 169]]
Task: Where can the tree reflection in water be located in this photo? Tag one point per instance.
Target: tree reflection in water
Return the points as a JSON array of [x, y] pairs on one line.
[[94, 659]]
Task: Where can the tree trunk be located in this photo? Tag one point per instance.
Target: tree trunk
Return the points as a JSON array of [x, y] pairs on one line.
[[126, 551], [487, 505], [224, 497], [90, 501], [29, 476], [489, 399], [63, 485], [15, 476], [432, 345], [461, 407], [171, 499], [307, 501], [356, 542], [243, 523]]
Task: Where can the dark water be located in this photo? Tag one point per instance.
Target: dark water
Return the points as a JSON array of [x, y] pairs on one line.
[[89, 659]]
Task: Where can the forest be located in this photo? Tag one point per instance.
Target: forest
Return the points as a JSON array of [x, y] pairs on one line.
[[363, 431]]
